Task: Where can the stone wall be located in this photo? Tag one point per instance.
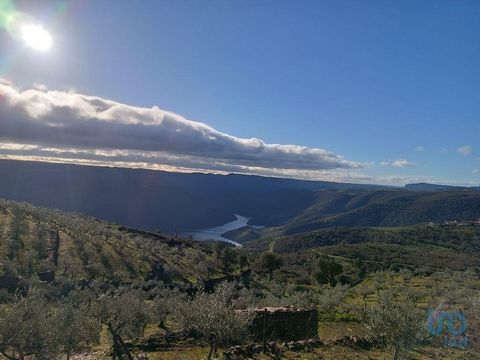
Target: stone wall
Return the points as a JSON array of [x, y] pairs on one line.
[[284, 323]]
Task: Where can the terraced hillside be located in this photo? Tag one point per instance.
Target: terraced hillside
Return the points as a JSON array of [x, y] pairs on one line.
[[49, 244]]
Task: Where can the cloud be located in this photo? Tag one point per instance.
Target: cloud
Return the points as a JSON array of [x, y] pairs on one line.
[[420, 148], [465, 150], [5, 82], [400, 163], [142, 160], [475, 171], [165, 162], [39, 86], [65, 123]]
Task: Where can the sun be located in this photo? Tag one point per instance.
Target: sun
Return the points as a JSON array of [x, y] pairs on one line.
[[36, 37]]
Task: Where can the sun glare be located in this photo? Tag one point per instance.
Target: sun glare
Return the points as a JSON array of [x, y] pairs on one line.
[[36, 37]]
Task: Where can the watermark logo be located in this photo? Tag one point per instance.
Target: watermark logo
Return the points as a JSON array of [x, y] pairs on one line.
[[449, 325]]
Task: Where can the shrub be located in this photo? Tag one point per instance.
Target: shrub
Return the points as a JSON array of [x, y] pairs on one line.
[[395, 324], [213, 318]]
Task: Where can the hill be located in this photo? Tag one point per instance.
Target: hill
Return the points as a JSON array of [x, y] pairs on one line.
[[415, 247], [48, 257], [72, 248], [384, 208], [438, 187], [159, 200], [170, 202]]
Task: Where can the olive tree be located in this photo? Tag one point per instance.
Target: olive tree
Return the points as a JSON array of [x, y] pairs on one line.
[[213, 318], [270, 262], [14, 241], [364, 291], [166, 300], [125, 315], [328, 271], [330, 296], [27, 327], [76, 329], [396, 324]]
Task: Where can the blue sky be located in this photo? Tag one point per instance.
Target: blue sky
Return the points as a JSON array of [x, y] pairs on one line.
[[392, 86]]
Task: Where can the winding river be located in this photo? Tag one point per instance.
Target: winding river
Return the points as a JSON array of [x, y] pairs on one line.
[[215, 233]]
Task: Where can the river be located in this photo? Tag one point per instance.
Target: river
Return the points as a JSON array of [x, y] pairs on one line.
[[215, 233]]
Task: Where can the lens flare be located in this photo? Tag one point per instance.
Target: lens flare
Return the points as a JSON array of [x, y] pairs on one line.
[[7, 11], [36, 37], [23, 27]]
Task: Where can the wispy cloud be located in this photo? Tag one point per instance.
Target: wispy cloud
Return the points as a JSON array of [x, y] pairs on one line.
[[420, 148], [465, 150], [399, 163], [64, 123]]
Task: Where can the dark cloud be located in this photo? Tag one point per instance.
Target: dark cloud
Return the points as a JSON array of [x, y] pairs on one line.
[[69, 120]]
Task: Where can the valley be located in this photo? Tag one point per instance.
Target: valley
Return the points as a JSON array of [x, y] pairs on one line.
[[239, 180], [216, 233], [343, 252], [182, 203]]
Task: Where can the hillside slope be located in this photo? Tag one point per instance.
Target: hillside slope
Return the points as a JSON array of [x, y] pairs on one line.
[[62, 247], [384, 208]]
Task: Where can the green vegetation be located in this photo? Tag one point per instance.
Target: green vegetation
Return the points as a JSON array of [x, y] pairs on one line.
[[70, 283], [395, 322], [72, 249], [270, 262], [212, 317], [334, 210], [360, 208]]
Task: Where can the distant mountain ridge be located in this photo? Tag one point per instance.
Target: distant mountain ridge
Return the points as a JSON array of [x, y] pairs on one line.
[[384, 208], [171, 202], [438, 187], [157, 200]]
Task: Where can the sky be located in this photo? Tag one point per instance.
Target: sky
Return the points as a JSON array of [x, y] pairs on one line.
[[367, 91]]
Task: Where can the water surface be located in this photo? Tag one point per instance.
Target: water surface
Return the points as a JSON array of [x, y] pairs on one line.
[[216, 233]]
